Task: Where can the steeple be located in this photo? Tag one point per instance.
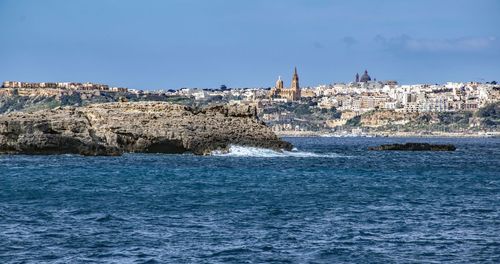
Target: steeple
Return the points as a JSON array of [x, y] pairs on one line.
[[295, 80]]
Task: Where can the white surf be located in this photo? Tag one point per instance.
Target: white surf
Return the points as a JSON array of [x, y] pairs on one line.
[[240, 151]]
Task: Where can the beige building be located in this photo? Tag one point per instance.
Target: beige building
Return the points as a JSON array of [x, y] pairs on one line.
[[291, 94]]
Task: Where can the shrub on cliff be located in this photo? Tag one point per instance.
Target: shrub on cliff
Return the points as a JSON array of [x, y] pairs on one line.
[[489, 111], [490, 115], [458, 118], [355, 121], [26, 103]]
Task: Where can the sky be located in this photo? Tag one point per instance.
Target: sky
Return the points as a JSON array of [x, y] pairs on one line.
[[248, 43]]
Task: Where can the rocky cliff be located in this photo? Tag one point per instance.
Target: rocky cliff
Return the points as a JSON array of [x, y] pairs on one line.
[[151, 127], [386, 117]]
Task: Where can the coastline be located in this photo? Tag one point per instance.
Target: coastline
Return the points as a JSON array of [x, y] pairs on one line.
[[390, 134]]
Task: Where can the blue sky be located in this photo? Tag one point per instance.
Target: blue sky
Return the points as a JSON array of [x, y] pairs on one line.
[[199, 43]]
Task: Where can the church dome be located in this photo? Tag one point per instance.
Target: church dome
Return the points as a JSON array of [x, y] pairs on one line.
[[365, 77], [279, 83]]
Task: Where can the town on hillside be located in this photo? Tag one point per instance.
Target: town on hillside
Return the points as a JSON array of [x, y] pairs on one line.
[[364, 106]]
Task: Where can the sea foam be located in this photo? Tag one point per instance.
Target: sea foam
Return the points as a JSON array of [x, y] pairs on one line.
[[241, 151]]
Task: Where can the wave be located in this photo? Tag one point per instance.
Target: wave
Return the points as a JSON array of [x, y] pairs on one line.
[[240, 151]]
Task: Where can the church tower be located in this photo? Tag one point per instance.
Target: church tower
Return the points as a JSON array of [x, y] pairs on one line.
[[295, 80], [291, 94], [295, 86]]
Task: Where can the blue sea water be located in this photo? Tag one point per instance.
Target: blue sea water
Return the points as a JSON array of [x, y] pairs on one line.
[[330, 201]]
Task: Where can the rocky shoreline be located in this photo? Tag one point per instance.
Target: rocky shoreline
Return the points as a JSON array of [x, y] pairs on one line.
[[390, 134], [148, 127]]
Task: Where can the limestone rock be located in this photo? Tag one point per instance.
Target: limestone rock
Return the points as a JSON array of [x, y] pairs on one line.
[[151, 127], [415, 147]]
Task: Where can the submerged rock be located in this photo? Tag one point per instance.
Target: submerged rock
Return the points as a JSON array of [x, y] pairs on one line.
[[149, 127], [415, 147]]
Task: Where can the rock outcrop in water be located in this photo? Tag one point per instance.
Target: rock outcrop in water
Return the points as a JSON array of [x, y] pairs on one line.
[[415, 147], [152, 127]]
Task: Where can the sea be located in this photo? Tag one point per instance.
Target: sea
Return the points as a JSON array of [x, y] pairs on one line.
[[330, 200]]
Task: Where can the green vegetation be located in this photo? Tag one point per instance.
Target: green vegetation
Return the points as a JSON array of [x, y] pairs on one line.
[[73, 99], [486, 118], [354, 122], [490, 115], [304, 111], [443, 121], [24, 103], [456, 118]]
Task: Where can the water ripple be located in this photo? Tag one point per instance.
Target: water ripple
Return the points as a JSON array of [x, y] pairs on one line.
[[331, 201]]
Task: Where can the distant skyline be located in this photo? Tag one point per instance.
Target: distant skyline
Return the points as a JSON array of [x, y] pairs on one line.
[[197, 43]]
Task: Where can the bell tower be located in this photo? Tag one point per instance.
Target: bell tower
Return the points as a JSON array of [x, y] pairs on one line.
[[295, 86], [295, 80]]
